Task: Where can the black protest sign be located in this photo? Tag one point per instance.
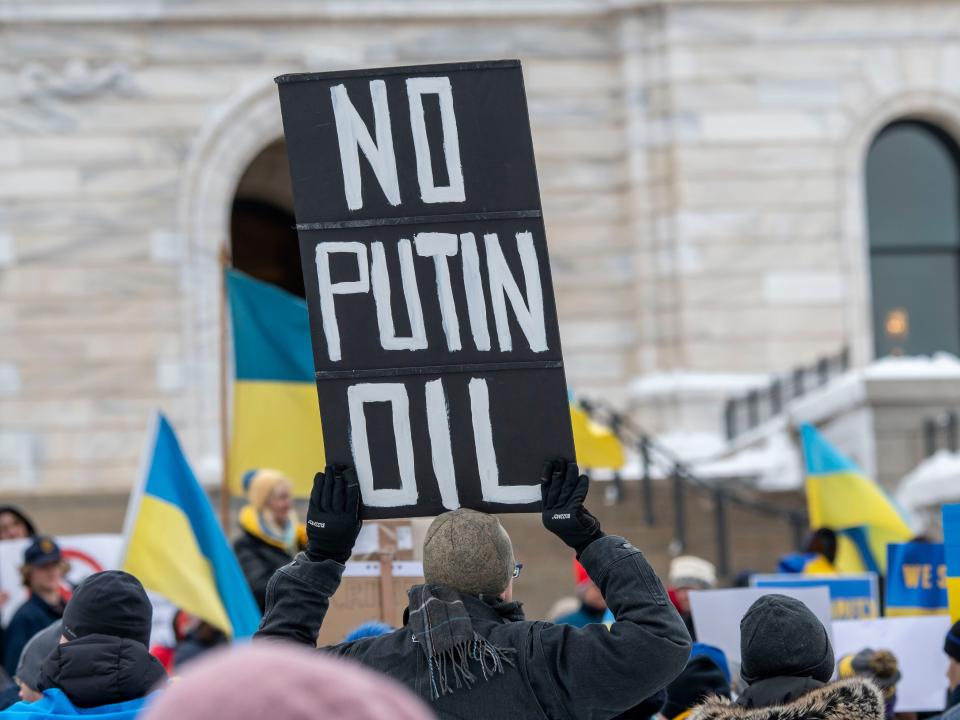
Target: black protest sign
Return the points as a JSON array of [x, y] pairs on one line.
[[439, 370]]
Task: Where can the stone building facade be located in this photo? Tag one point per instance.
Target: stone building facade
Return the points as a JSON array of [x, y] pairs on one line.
[[701, 164]]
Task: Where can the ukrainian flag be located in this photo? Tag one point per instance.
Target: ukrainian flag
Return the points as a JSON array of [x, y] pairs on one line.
[[597, 446], [842, 498], [951, 546], [174, 544], [276, 418]]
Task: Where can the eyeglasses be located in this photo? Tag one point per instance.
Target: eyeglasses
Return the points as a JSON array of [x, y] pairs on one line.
[[517, 567]]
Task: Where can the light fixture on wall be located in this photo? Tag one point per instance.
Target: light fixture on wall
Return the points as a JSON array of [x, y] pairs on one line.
[[897, 328]]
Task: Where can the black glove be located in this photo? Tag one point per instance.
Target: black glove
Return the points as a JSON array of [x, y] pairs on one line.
[[333, 518], [563, 491]]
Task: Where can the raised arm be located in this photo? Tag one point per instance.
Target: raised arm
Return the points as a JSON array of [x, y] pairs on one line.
[[594, 672], [298, 594]]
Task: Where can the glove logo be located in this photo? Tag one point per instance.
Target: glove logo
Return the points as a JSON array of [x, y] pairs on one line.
[[316, 524], [561, 516]]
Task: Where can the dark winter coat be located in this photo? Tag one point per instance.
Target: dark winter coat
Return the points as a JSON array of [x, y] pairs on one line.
[[559, 672], [100, 670], [777, 691], [853, 699], [259, 560], [31, 617]]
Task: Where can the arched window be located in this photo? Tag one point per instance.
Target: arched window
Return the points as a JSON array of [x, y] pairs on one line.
[[262, 234], [913, 215]]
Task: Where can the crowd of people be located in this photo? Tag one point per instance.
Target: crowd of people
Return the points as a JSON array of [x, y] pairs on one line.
[[623, 648]]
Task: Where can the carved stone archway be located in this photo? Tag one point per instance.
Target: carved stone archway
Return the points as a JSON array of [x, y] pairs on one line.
[[227, 143]]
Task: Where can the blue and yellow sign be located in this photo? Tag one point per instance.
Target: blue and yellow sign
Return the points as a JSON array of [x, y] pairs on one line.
[[852, 597], [916, 579]]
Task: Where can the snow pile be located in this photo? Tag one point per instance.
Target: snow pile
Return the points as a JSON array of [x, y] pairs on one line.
[[773, 465], [683, 382], [933, 482], [940, 366]]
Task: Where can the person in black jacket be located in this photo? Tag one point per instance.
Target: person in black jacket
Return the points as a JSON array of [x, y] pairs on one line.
[[466, 647], [102, 658], [42, 571], [271, 533]]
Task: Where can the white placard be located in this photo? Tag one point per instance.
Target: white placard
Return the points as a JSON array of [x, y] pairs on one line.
[[368, 541], [404, 537], [86, 555], [717, 613], [917, 643]]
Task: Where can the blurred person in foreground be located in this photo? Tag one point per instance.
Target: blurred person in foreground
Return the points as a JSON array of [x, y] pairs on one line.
[[199, 638], [951, 646], [284, 682], [786, 663], [101, 666], [880, 666], [706, 675], [592, 605], [466, 647], [271, 534], [687, 573], [42, 574], [32, 658]]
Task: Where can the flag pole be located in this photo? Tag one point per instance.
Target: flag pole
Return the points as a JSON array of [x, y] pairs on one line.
[[224, 262]]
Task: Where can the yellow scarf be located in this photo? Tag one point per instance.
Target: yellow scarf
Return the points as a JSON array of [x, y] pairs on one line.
[[252, 522]]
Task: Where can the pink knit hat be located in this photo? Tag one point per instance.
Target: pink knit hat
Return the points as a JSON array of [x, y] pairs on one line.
[[272, 680]]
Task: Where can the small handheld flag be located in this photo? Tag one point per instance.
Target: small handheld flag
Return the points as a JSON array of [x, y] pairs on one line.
[[841, 497], [175, 546]]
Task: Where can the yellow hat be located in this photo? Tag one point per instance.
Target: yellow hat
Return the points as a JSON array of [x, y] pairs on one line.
[[263, 484]]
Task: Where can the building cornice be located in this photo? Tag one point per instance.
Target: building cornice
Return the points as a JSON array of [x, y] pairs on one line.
[[137, 11]]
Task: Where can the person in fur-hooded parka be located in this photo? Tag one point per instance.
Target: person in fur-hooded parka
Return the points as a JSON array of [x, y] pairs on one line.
[[853, 699]]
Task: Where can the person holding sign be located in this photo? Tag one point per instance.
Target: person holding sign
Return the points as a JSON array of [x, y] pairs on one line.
[[466, 647]]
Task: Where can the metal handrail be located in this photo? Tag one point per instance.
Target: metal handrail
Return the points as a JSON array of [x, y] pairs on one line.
[[945, 425], [630, 434], [761, 404]]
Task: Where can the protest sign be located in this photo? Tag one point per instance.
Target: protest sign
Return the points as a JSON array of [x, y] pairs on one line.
[[434, 330], [717, 613], [85, 555], [951, 551], [852, 596], [916, 579], [917, 643]]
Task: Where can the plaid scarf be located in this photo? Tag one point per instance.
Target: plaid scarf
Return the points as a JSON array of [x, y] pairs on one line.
[[444, 631]]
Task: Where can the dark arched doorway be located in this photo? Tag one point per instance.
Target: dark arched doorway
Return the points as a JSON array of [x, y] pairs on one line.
[[262, 235], [913, 214]]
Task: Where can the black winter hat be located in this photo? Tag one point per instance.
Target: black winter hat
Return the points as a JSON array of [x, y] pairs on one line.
[[700, 679], [109, 603], [951, 645], [781, 637]]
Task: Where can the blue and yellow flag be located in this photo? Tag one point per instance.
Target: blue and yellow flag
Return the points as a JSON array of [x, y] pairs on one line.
[[596, 445], [175, 546], [276, 418], [842, 498], [951, 547]]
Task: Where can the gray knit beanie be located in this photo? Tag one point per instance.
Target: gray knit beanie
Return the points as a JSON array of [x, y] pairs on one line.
[[780, 636], [468, 551]]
